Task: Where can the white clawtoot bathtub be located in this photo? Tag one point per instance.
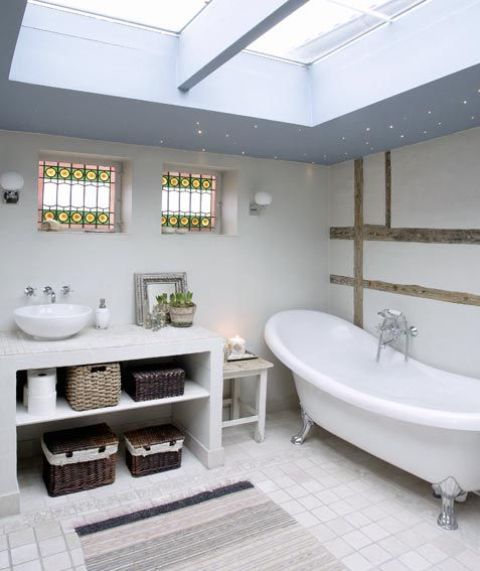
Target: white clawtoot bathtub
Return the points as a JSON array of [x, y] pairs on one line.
[[421, 419]]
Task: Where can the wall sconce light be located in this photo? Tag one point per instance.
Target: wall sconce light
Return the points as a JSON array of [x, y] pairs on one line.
[[260, 201], [12, 183]]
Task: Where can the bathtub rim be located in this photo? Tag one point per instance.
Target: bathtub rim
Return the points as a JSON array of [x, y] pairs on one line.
[[453, 420]]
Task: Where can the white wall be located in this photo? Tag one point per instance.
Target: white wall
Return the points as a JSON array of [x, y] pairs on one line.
[[435, 184], [277, 260]]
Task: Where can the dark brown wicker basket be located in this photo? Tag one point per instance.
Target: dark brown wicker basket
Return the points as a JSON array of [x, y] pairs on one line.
[[79, 459], [150, 382], [153, 449]]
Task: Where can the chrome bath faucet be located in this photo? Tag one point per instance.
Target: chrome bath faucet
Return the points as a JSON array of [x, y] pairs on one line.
[[394, 326]]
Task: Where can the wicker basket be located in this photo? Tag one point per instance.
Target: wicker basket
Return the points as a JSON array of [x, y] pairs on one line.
[[154, 382], [153, 449], [79, 459], [93, 386]]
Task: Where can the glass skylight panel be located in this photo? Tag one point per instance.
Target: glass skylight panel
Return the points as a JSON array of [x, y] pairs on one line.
[[322, 26], [169, 15]]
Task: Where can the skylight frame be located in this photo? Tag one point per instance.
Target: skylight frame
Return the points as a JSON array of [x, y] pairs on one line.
[[380, 24], [116, 20]]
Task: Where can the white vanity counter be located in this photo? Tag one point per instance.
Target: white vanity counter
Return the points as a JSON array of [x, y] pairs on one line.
[[14, 343], [198, 411]]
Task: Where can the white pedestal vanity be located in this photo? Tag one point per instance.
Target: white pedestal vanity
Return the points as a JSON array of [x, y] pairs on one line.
[[198, 411]]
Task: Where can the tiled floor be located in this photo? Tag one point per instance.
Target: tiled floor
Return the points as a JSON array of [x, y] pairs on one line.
[[367, 513]]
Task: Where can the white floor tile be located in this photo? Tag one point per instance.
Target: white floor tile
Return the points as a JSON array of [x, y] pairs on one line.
[[357, 562], [368, 514]]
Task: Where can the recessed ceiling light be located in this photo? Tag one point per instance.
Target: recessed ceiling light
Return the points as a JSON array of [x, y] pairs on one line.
[[439, 123], [198, 122], [299, 129], [243, 152], [367, 143], [425, 132], [390, 126], [227, 135], [473, 116], [402, 136], [199, 131], [343, 138], [255, 126], [367, 129], [161, 141], [203, 150], [429, 112], [465, 101]]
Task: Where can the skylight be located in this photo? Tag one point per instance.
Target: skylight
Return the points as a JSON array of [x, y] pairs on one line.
[[169, 15], [321, 26]]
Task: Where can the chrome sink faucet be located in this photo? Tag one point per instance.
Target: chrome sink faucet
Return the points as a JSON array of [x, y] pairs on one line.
[[394, 326], [48, 290]]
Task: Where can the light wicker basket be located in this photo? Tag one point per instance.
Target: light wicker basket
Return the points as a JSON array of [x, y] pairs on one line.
[[93, 386]]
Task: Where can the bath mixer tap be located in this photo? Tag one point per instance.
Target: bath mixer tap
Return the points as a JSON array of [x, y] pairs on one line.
[[394, 325], [48, 290], [29, 291]]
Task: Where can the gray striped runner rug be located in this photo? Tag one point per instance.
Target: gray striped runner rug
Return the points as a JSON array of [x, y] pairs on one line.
[[232, 528]]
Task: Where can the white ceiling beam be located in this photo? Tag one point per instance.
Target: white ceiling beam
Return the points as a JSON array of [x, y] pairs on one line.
[[369, 11], [222, 30]]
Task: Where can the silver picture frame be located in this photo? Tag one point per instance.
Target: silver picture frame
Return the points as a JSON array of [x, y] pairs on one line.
[[148, 286]]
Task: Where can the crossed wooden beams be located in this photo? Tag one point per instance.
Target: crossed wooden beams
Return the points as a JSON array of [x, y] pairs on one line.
[[361, 232]]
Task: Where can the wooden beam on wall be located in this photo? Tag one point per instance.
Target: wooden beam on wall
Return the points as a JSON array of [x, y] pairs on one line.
[[358, 244], [388, 189], [412, 290], [374, 233]]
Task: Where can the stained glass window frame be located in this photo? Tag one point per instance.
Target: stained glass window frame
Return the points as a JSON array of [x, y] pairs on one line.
[[193, 185], [90, 174]]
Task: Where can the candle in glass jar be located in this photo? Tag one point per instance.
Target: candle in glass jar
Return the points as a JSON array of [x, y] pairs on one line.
[[237, 346]]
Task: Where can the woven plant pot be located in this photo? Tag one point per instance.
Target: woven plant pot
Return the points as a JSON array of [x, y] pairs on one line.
[[182, 316]]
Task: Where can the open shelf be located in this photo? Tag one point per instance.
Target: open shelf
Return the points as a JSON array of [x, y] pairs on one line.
[[193, 391]]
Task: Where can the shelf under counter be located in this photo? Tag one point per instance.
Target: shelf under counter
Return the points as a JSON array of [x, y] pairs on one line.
[[193, 391]]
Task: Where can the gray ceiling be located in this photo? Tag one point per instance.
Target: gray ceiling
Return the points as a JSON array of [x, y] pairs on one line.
[[33, 108]]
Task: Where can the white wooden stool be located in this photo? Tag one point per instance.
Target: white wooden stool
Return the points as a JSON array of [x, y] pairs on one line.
[[236, 371]]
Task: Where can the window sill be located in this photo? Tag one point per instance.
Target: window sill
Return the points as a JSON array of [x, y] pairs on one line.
[[186, 235]]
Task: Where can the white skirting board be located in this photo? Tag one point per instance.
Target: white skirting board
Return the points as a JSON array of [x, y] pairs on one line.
[[209, 458]]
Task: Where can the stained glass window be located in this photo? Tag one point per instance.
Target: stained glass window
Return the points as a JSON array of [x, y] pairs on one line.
[[188, 201], [76, 196]]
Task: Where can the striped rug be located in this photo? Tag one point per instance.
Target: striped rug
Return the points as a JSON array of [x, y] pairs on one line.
[[232, 528]]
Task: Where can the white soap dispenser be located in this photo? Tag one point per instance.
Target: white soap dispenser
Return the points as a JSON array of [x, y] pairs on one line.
[[102, 315]]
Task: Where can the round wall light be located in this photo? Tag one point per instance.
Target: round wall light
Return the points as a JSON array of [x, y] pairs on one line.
[[11, 183]]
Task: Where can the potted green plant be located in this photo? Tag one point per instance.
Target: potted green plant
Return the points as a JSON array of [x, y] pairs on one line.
[[182, 309]]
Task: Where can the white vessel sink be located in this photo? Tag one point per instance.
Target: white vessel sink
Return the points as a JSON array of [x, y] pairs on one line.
[[52, 321]]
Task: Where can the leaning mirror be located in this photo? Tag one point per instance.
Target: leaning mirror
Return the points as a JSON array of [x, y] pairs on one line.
[[148, 286]]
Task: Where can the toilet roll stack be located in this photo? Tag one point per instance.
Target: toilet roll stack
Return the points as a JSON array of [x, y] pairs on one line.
[[40, 394]]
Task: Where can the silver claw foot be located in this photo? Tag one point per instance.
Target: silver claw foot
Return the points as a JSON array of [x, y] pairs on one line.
[[449, 490], [299, 438]]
